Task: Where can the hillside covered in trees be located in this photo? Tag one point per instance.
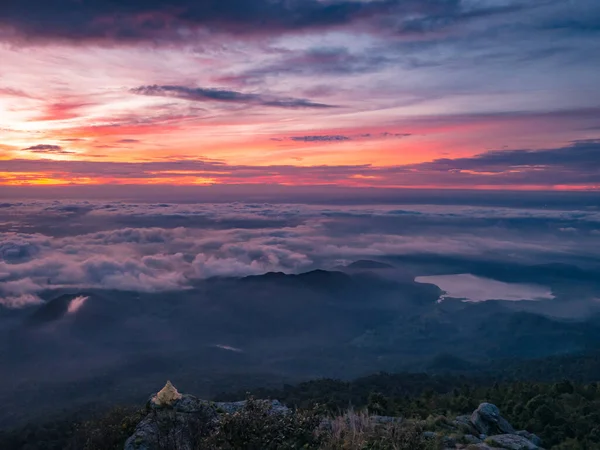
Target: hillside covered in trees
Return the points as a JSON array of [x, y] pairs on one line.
[[556, 398]]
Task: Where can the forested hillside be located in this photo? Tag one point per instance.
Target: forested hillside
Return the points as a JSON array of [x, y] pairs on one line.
[[556, 398]]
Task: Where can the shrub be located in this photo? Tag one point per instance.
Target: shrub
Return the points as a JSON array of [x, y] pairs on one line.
[[107, 432], [255, 427]]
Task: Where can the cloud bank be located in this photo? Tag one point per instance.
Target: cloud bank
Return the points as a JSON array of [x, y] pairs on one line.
[[134, 20], [146, 247]]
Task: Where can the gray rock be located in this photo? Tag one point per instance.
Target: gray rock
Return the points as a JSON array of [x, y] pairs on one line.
[[177, 426], [463, 419], [230, 407], [472, 439], [178, 422], [504, 426], [530, 436], [276, 407], [464, 424], [187, 404], [487, 420], [511, 442], [449, 442]]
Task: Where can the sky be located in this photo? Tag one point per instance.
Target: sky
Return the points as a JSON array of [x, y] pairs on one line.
[[469, 94]]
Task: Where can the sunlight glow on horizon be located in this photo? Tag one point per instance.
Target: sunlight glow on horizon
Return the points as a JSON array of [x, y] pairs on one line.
[[428, 109]]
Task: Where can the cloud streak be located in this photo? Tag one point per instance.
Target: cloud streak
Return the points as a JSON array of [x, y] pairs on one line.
[[225, 96], [174, 20], [47, 148], [578, 155], [323, 138]]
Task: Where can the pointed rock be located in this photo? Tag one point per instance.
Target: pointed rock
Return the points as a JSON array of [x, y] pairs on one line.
[[166, 396]]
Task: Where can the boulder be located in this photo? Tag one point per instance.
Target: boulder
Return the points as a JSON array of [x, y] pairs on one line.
[[489, 430], [511, 442], [177, 421], [487, 420], [530, 436]]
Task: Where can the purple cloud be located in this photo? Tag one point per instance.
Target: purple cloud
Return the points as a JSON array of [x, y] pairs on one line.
[[46, 148], [198, 94]]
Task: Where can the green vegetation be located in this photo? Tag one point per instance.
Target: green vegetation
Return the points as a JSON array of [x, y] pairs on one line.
[[334, 414], [103, 431], [251, 428], [565, 415], [254, 427]]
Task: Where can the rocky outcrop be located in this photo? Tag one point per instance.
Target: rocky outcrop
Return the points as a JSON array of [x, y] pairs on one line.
[[487, 420], [177, 421], [486, 429]]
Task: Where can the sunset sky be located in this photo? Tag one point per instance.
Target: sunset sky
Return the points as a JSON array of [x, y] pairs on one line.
[[379, 93]]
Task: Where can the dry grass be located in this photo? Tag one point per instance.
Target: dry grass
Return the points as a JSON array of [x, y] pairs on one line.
[[359, 431], [350, 430]]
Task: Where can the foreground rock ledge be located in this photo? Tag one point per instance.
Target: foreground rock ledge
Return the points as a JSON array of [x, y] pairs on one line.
[[173, 418]]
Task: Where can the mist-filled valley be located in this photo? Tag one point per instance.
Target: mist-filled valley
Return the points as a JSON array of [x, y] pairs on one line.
[[105, 300]]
